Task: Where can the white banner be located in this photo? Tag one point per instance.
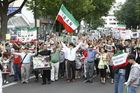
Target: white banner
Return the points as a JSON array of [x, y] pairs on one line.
[[26, 35], [135, 34], [108, 47], [119, 59], [125, 34], [39, 62], [116, 34]]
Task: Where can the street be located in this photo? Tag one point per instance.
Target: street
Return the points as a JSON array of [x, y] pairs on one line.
[[61, 86]]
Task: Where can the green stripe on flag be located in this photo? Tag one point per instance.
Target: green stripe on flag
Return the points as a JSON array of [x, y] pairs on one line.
[[68, 14]]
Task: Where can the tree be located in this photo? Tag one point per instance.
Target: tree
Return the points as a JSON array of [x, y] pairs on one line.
[[88, 10], [138, 8], [129, 14], [4, 5]]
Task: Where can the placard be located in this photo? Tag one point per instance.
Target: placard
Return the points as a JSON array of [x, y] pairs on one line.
[[125, 34], [119, 59], [40, 63], [135, 35], [108, 47], [8, 36], [26, 35]]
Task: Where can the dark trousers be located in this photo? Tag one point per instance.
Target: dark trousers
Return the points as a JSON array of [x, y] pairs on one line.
[[62, 69], [128, 68], [103, 73], [96, 65], [111, 72], [71, 69], [17, 71], [46, 74], [36, 73]]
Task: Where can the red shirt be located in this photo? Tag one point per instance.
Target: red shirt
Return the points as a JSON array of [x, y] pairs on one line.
[[17, 59]]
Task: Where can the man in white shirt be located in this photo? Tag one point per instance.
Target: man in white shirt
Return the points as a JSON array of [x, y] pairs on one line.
[[71, 57]]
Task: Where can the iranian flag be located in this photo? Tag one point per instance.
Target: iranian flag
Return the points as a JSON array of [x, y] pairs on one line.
[[67, 20], [120, 60]]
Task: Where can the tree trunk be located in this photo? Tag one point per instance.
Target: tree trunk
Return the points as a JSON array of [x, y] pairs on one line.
[[4, 22]]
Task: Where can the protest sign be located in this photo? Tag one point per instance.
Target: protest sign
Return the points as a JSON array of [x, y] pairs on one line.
[[135, 35], [108, 47], [125, 34], [8, 36], [26, 35], [119, 59], [40, 63]]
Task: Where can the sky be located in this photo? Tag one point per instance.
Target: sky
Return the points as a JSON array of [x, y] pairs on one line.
[[120, 1]]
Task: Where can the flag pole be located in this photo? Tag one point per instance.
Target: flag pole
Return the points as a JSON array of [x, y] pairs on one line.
[[51, 30], [53, 24]]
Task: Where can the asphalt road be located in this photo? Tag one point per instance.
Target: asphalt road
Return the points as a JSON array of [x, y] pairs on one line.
[[61, 86]]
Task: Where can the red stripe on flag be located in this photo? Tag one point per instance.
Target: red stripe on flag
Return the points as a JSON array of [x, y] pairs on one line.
[[68, 28]]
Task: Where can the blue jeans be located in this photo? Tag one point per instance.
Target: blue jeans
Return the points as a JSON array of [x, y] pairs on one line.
[[89, 71], [17, 71], [131, 89], [119, 80]]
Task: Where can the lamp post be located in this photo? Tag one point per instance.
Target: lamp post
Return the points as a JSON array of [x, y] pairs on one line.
[[37, 21]]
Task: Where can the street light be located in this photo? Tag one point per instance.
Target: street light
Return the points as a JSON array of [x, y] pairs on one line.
[[37, 21]]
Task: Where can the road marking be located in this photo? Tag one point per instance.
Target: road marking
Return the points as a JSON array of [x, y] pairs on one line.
[[14, 83]]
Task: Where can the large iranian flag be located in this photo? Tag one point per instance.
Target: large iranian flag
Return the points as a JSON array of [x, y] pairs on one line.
[[67, 20]]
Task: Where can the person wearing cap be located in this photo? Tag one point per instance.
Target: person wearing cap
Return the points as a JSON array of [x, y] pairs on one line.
[[70, 52]]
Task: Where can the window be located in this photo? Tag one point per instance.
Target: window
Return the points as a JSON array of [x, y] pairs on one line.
[[112, 23]]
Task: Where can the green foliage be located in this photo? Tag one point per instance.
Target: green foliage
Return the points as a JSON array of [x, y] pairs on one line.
[[130, 14], [89, 10]]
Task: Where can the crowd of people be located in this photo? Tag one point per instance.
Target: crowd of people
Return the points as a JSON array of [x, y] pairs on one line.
[[71, 58]]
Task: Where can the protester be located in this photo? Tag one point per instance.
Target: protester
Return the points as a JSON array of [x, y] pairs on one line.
[[71, 57], [71, 62], [78, 65], [119, 73], [17, 67], [55, 57], [62, 65], [25, 64], [134, 77], [46, 72], [103, 64], [90, 64]]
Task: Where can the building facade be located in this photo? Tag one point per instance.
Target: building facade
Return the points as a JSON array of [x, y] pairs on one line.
[[110, 20]]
